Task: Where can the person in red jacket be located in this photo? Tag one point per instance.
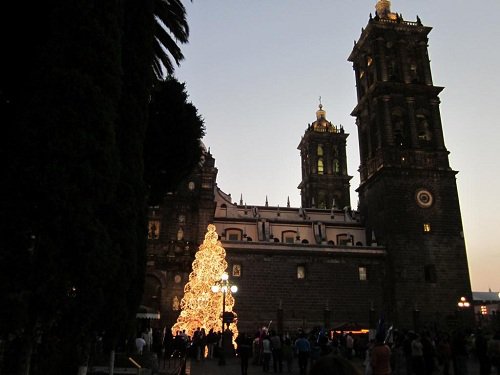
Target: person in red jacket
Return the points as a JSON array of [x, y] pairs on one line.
[[381, 357]]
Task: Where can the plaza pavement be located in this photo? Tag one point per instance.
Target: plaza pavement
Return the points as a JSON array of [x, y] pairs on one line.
[[232, 367]]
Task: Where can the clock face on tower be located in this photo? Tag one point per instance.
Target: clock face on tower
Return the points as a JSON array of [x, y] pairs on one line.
[[191, 185], [424, 198]]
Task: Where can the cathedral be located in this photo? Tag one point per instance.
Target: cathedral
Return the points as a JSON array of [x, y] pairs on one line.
[[401, 255]]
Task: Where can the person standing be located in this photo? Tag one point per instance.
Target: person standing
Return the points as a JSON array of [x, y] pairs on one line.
[[429, 353], [303, 349], [417, 356], [266, 353], [196, 343], [460, 353], [444, 353], [349, 345], [140, 343], [368, 358], [494, 351], [211, 340], [168, 342], [277, 352], [481, 344], [256, 349], [380, 357], [288, 353], [244, 351]]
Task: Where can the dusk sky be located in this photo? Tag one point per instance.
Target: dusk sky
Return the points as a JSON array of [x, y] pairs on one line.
[[256, 68]]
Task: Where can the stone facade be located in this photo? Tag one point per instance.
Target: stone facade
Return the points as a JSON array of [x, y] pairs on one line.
[[408, 194], [325, 182], [401, 255], [313, 263]]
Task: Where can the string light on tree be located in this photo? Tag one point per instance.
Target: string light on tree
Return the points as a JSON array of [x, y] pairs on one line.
[[200, 307]]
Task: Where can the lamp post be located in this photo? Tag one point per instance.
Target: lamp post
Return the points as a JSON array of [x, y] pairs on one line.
[[223, 285], [463, 306], [416, 318], [463, 303]]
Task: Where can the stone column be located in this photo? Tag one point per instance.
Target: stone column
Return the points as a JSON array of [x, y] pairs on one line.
[[381, 63], [327, 316], [404, 61], [416, 319], [437, 130], [279, 316], [388, 137], [424, 57], [411, 118]]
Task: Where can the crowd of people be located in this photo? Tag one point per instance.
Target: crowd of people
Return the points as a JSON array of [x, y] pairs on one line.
[[301, 350], [388, 352], [429, 352], [200, 345]]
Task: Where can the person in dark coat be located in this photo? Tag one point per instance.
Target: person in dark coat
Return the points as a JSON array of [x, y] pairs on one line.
[[481, 346], [244, 351]]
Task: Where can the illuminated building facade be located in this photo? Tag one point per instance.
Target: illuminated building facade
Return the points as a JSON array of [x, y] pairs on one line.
[[401, 254], [487, 308]]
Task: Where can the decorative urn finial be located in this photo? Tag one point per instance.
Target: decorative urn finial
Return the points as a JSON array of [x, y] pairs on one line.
[[383, 10]]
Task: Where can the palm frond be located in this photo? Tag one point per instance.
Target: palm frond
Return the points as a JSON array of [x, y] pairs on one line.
[[171, 27]]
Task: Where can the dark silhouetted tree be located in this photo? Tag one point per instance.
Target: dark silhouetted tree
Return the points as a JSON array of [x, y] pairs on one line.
[[61, 177], [74, 104], [173, 139]]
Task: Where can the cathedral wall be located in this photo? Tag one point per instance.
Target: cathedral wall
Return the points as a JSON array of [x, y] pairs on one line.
[[268, 281], [430, 271]]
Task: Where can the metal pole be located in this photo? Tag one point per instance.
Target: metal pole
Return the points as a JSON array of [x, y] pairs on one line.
[[223, 307], [112, 362], [222, 359]]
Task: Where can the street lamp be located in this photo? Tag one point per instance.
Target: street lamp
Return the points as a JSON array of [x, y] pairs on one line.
[[463, 303], [223, 285]]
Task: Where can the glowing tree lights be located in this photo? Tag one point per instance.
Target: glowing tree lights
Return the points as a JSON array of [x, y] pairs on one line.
[[200, 306]]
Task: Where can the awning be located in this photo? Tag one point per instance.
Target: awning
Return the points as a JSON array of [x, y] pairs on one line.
[[146, 312], [349, 327]]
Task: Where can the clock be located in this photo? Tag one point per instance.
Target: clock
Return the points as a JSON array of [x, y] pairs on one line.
[[177, 279], [191, 185], [424, 198]]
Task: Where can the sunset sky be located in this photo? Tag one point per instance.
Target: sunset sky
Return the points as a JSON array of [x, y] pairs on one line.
[[255, 70]]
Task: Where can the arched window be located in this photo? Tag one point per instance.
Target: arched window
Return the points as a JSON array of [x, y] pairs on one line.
[[345, 239], [320, 166], [320, 150], [321, 200], [336, 166], [288, 236], [154, 229], [423, 128], [234, 234]]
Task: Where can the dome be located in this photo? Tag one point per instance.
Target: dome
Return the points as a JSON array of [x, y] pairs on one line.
[[322, 124]]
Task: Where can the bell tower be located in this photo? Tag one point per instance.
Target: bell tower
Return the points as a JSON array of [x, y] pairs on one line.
[[408, 193], [325, 182]]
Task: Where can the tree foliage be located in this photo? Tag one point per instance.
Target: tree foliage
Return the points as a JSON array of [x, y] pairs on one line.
[[62, 173], [173, 138], [74, 105], [171, 27]]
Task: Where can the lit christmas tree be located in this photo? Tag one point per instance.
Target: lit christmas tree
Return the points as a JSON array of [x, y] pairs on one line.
[[200, 306]]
